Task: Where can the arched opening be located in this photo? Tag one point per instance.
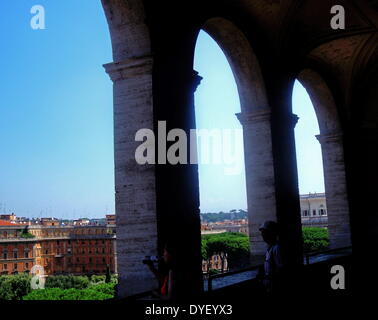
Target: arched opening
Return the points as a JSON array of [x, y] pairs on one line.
[[254, 116], [321, 163], [313, 202], [222, 184]]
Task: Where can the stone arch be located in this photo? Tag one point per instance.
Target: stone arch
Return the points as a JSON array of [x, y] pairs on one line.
[[322, 100], [243, 62], [255, 117], [331, 140], [128, 32]]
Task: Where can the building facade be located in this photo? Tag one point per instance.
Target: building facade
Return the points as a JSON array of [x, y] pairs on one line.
[[314, 210], [216, 262], [58, 249]]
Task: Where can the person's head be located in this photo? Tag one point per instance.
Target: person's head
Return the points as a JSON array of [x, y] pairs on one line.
[[168, 254], [269, 232]]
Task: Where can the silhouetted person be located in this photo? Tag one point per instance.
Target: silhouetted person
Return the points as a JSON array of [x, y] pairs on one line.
[[273, 264], [165, 274]]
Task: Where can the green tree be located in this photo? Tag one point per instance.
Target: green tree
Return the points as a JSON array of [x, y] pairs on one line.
[[67, 282], [96, 279], [102, 291], [315, 239], [14, 287], [26, 234], [233, 245]]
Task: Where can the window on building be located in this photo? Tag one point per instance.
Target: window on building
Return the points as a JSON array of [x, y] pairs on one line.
[[26, 265], [26, 254], [5, 255], [15, 266], [314, 212], [305, 213], [322, 212], [15, 255], [5, 266]]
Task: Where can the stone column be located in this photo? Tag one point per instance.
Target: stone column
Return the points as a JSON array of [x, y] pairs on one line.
[[134, 183], [335, 189], [259, 172], [177, 184]]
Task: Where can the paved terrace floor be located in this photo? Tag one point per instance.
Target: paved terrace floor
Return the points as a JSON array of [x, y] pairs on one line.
[[221, 282]]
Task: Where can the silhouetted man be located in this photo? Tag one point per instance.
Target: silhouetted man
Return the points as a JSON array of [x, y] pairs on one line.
[[273, 264]]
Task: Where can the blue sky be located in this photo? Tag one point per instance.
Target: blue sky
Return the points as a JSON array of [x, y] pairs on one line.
[[56, 111], [217, 101], [56, 122]]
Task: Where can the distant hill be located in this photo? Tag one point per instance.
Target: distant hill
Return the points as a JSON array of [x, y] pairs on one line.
[[222, 216]]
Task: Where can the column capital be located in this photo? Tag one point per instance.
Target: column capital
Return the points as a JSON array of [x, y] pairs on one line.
[[329, 137], [253, 117], [294, 119], [196, 80], [129, 68]]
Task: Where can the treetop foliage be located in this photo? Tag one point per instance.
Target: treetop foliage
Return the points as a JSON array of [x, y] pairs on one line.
[[103, 291], [222, 216], [315, 239]]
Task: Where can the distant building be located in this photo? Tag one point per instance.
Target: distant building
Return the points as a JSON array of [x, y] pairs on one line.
[[217, 231], [58, 249], [225, 226], [111, 219], [4, 223], [8, 217], [49, 222], [314, 210], [98, 222], [216, 262], [81, 222]]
